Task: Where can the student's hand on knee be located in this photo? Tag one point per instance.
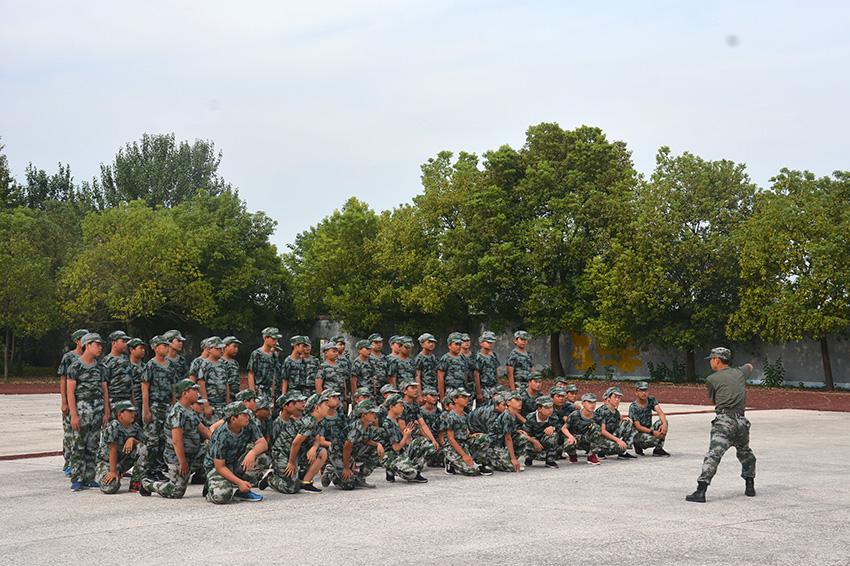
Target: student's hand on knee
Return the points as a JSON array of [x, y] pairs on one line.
[[109, 478], [243, 486]]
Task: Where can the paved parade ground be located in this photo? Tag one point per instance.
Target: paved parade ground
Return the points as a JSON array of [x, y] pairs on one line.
[[621, 512]]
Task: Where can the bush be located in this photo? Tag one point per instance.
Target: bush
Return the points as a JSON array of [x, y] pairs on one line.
[[590, 374], [774, 374], [661, 372]]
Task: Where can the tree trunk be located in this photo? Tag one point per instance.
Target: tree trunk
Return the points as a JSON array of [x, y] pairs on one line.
[[555, 354], [6, 356], [827, 366], [21, 360], [690, 364]]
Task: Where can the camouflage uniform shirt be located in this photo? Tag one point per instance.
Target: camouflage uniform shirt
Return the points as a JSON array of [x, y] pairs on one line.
[[577, 424], [379, 364], [503, 424], [455, 368], [292, 371], [162, 380], [643, 415], [458, 424], [428, 366], [116, 433], [266, 368], [607, 416], [522, 364], [120, 377], [224, 445], [186, 419], [332, 376], [88, 379], [402, 369], [488, 369], [364, 373]]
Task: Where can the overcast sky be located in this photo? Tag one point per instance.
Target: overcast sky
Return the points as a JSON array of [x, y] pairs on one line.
[[314, 102]]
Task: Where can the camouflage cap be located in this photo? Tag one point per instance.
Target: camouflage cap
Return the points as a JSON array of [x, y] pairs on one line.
[[570, 387], [201, 400], [498, 399], [557, 390], [393, 400], [157, 340], [454, 338], [426, 337], [263, 403], [641, 385], [228, 340], [215, 342], [448, 400], [328, 345], [511, 395], [246, 395], [612, 391], [395, 339], [365, 406], [296, 340], [499, 388], [235, 409], [185, 385], [521, 334], [460, 392], [327, 394], [407, 342], [91, 337], [464, 336], [544, 401], [406, 383], [277, 348], [337, 339], [559, 379], [362, 344], [122, 406], [535, 375], [588, 397], [271, 332], [118, 335], [487, 337], [291, 397], [312, 403], [720, 353], [306, 341], [133, 342], [172, 335], [429, 391], [78, 334], [389, 388], [375, 338], [363, 392]]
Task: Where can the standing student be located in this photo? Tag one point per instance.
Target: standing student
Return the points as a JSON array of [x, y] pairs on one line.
[[451, 371], [67, 359], [426, 362], [520, 362], [88, 403], [362, 375], [485, 366], [119, 378], [231, 349], [264, 365], [158, 380], [214, 382], [378, 361], [175, 353]]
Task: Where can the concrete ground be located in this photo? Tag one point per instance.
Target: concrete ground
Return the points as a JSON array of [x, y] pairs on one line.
[[619, 512]]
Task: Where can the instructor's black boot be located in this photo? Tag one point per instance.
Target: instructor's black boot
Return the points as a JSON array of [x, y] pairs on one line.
[[699, 495], [750, 490]]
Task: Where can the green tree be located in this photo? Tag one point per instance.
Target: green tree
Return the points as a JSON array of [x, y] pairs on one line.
[[27, 302], [136, 263], [574, 196], [337, 272], [672, 278], [161, 172], [10, 191], [795, 259]]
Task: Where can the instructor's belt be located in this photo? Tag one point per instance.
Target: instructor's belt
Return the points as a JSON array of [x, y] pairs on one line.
[[739, 412]]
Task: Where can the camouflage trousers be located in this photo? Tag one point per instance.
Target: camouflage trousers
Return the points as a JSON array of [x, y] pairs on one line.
[[282, 483], [487, 393], [477, 446], [363, 456], [66, 439], [626, 432], [135, 459], [84, 443], [590, 441], [552, 448], [219, 488], [266, 391], [234, 387], [409, 462], [174, 487], [728, 431], [500, 457], [155, 436], [643, 440]]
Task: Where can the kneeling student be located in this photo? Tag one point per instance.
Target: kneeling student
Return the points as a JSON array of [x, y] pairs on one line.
[[648, 433], [405, 456], [542, 429], [618, 430], [583, 431], [230, 470], [357, 448], [465, 452], [121, 448]]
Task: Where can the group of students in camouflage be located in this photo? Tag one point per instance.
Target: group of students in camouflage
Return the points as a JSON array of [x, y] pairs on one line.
[[171, 422]]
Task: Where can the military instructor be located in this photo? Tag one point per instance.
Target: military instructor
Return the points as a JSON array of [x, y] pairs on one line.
[[730, 427]]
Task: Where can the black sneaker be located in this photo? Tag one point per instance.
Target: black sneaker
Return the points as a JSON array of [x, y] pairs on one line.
[[529, 462], [326, 479], [626, 456], [450, 470], [419, 479], [660, 452], [264, 483], [206, 490], [552, 464], [199, 478], [309, 487], [390, 477], [143, 491], [485, 471]]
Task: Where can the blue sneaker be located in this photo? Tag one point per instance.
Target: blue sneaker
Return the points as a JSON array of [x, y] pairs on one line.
[[77, 486], [249, 496], [67, 472], [93, 484]]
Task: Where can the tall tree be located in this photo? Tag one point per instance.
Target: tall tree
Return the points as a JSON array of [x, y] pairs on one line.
[[574, 195], [795, 258], [10, 191], [161, 172], [673, 277]]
